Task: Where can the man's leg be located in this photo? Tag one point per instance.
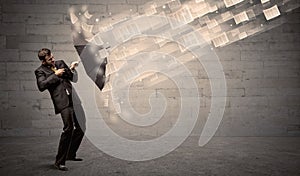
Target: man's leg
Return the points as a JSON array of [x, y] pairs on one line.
[[66, 135], [78, 133]]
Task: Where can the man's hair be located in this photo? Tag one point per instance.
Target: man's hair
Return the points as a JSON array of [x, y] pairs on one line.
[[43, 53]]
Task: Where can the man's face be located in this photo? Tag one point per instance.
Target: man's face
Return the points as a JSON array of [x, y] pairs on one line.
[[49, 60]]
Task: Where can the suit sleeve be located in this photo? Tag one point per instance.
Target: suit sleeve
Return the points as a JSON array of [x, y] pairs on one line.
[[44, 83], [75, 76], [71, 75]]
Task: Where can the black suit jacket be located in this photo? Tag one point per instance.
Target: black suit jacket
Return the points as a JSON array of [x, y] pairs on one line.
[[58, 87]]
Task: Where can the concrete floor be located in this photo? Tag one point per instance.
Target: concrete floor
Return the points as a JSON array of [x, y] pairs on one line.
[[221, 156]]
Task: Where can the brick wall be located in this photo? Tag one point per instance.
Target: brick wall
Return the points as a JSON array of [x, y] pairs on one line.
[[262, 73]]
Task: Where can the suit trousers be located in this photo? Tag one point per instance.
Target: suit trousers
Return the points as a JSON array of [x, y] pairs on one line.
[[71, 136]]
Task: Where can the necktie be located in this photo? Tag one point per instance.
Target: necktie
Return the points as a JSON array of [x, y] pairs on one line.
[[53, 69]]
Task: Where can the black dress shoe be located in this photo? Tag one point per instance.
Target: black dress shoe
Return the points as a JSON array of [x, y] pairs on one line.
[[60, 167], [74, 159]]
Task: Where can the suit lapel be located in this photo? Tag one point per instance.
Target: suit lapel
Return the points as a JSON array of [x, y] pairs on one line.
[[47, 69], [58, 65]]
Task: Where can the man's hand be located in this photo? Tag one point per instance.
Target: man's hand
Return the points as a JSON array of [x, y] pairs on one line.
[[60, 72], [74, 65]]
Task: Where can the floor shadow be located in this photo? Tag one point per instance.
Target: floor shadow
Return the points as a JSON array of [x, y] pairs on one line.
[[48, 157], [47, 166]]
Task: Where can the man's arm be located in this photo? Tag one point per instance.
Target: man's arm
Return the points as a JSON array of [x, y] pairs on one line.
[[70, 74], [75, 76], [44, 83]]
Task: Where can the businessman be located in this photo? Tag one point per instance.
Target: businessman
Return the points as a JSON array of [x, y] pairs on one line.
[[56, 77]]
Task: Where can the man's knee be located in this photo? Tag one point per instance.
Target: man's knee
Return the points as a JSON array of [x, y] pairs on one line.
[[69, 128]]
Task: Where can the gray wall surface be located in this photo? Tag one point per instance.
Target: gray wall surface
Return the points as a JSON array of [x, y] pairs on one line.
[[262, 74]]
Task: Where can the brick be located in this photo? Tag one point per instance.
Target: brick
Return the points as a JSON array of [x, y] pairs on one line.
[[280, 83], [289, 73], [252, 55], [1, 11], [2, 70], [235, 92], [290, 91], [282, 64], [9, 85], [12, 1], [45, 123], [270, 37], [203, 83], [9, 55], [252, 83], [206, 102], [293, 130], [225, 55], [293, 100], [95, 8], [234, 83], [138, 2], [11, 124], [196, 69], [241, 65], [33, 18], [200, 72], [294, 113], [29, 56], [14, 70], [280, 55], [24, 132], [106, 2], [21, 75], [12, 29], [63, 47], [239, 126], [286, 46], [168, 93], [229, 92], [262, 92], [24, 104], [3, 101], [271, 73], [252, 74], [46, 104], [48, 29], [29, 8], [74, 2], [271, 130], [292, 17], [276, 113], [117, 8], [291, 28], [233, 74], [56, 1], [32, 1], [234, 47], [243, 111], [2, 42], [28, 85], [277, 101], [34, 46], [248, 101], [254, 46], [60, 39], [22, 66], [47, 114], [55, 132], [33, 95], [12, 42]]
